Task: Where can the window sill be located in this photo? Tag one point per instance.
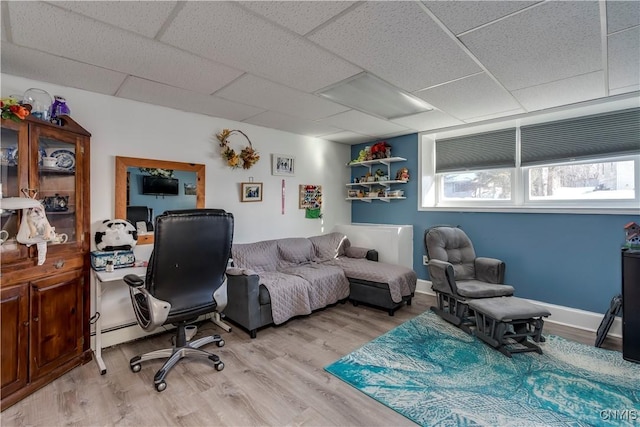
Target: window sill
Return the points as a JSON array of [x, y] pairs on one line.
[[535, 209]]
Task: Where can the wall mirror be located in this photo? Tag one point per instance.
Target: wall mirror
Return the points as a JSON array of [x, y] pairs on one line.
[[145, 183]]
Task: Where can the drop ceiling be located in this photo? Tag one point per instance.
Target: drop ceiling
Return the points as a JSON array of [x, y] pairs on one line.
[[263, 62]]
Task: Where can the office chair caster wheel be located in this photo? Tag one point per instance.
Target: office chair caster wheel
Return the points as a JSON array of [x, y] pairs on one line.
[[219, 366], [161, 386], [136, 368], [221, 343]]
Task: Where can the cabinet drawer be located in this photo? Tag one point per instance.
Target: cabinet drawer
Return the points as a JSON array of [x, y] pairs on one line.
[[29, 270]]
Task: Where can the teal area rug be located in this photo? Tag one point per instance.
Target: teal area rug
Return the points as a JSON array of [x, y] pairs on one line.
[[436, 375]]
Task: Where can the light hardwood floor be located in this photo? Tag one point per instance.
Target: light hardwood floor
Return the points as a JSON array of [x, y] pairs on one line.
[[276, 379]]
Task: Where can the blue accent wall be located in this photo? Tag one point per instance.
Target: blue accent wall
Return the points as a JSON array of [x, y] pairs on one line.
[[571, 260]]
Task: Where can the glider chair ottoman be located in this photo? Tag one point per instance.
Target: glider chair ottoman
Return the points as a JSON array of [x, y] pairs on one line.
[[457, 275]]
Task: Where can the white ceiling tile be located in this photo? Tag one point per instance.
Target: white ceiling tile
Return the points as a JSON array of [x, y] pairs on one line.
[[142, 17], [298, 16], [362, 123], [287, 123], [252, 90], [347, 137], [84, 40], [180, 99], [494, 116], [229, 34], [398, 42], [566, 91], [622, 14], [32, 64], [549, 42], [429, 120], [461, 16], [624, 58], [473, 96]]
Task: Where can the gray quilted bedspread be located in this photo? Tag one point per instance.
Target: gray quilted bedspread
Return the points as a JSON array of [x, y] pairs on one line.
[[401, 280], [289, 295]]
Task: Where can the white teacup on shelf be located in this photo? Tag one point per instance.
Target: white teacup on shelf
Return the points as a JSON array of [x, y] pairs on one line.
[[60, 238], [49, 162]]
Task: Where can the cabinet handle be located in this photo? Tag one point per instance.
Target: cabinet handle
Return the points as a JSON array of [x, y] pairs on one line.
[[25, 324], [59, 264], [35, 319]]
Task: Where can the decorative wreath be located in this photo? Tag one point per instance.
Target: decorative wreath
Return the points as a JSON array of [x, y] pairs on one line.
[[247, 157]]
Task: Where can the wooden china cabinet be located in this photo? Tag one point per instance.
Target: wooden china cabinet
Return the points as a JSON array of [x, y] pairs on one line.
[[45, 309]]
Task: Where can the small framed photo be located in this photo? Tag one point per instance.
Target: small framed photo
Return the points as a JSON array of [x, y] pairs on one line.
[[251, 191], [352, 193], [190, 189], [282, 164]]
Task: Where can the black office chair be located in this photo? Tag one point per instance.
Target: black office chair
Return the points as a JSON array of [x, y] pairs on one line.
[[185, 279], [137, 214]]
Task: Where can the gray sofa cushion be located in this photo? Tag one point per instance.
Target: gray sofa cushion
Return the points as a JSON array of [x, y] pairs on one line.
[[329, 246], [294, 251], [259, 256], [328, 284], [400, 279]]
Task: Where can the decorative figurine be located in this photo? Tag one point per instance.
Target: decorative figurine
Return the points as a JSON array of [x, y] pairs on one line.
[[402, 174]]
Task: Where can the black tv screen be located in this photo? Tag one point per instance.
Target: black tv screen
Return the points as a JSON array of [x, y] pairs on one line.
[[159, 185]]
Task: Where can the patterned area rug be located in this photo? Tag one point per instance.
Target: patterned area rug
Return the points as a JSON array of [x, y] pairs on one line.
[[436, 375]]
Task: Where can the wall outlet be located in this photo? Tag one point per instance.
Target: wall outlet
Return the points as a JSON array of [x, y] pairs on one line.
[[425, 260]]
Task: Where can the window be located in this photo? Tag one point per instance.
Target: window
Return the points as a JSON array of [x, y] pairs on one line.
[[589, 163], [613, 179], [479, 185]]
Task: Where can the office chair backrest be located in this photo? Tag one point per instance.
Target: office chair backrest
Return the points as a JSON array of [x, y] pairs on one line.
[[451, 244], [190, 254], [140, 213]]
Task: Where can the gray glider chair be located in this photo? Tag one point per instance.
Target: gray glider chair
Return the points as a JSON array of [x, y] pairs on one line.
[[185, 279], [457, 275]]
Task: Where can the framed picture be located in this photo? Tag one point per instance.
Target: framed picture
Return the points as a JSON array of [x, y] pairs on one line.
[[190, 189], [250, 191], [282, 164], [310, 196]]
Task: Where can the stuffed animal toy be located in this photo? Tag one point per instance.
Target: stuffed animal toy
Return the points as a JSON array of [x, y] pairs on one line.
[[38, 224], [116, 235]]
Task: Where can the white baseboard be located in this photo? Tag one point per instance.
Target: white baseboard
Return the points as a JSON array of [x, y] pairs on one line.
[[561, 315]]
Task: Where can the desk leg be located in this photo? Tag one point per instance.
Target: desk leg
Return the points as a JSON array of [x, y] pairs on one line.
[[98, 350], [217, 319]]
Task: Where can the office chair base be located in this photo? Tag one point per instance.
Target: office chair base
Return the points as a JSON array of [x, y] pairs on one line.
[[175, 354]]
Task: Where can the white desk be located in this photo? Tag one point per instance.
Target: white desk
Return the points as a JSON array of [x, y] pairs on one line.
[[103, 277], [115, 276]]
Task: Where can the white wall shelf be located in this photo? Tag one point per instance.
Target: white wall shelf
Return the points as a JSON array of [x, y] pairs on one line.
[[369, 199], [387, 161]]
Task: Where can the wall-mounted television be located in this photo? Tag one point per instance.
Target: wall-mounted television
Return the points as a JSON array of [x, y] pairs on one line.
[[157, 185]]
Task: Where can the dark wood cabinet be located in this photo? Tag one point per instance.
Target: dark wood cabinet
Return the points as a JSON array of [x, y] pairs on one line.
[[45, 308]]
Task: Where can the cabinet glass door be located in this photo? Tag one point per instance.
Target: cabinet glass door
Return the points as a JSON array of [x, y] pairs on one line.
[[12, 177], [57, 184]]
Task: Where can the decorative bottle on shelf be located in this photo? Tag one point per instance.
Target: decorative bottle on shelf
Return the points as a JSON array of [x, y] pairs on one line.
[[59, 108]]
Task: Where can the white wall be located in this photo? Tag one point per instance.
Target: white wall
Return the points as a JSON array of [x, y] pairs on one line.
[[121, 127]]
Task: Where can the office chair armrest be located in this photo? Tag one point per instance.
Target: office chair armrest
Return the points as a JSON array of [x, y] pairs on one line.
[[133, 280], [442, 276], [490, 270]]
